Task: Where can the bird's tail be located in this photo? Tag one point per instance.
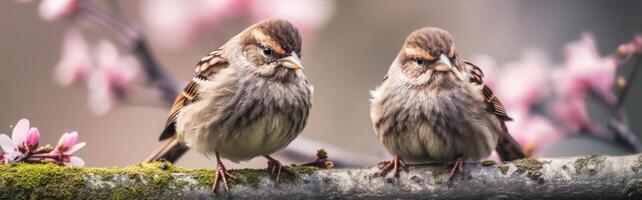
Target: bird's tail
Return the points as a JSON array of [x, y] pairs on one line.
[[508, 149], [171, 150]]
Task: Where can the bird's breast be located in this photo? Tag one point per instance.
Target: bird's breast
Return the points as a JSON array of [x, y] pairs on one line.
[[424, 126], [247, 118]]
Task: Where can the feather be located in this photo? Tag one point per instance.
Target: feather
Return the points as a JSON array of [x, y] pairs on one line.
[[492, 102], [208, 66]]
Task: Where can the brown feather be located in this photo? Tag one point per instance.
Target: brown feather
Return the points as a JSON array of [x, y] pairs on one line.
[[507, 148], [208, 66], [493, 104]]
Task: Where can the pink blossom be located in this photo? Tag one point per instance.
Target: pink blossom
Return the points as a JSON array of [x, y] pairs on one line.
[[573, 115], [584, 70], [10, 149], [23, 145], [67, 146], [56, 9], [25, 138], [533, 132], [112, 77], [522, 83], [75, 63], [33, 139], [15, 146]]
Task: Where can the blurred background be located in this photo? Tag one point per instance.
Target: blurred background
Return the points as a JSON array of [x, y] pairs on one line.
[[348, 47]]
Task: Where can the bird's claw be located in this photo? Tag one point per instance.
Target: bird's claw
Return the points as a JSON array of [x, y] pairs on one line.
[[392, 165], [222, 175], [275, 167]]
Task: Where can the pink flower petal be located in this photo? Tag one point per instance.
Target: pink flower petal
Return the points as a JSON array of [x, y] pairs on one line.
[[68, 140], [101, 96], [524, 82], [55, 9], [75, 161], [585, 70], [75, 62], [7, 144], [20, 131], [573, 114], [106, 54], [33, 138], [76, 147], [533, 132], [125, 72]]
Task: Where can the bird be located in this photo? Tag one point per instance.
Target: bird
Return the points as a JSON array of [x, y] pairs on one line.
[[433, 106], [248, 98]]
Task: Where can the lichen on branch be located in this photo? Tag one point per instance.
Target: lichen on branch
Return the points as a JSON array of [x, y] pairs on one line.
[[590, 177]]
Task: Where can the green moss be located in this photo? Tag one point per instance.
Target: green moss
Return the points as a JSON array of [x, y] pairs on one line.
[[305, 170], [503, 169], [42, 181], [581, 163], [143, 181], [528, 164], [487, 163]]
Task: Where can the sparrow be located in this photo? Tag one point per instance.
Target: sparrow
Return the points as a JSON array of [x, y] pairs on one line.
[[248, 98], [433, 106]]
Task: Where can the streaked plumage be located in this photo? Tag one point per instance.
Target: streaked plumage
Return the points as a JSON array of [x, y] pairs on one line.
[[434, 107], [248, 98]]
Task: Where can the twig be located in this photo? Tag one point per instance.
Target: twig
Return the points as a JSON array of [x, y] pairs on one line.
[[624, 90], [302, 150]]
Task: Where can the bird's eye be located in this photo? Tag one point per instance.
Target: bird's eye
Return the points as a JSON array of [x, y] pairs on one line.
[[419, 60], [267, 51]]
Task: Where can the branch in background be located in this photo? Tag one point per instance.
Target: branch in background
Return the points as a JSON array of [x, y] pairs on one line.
[[135, 39], [627, 56], [627, 53], [590, 177]]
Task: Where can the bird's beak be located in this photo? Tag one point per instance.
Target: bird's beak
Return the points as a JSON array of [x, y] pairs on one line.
[[292, 62], [443, 64]]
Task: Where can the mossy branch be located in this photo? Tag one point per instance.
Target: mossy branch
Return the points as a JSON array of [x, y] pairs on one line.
[[592, 177]]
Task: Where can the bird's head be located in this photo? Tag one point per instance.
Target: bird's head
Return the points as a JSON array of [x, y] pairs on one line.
[[272, 49], [428, 58]]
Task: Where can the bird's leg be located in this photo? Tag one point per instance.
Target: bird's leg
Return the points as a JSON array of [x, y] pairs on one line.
[[275, 167], [221, 175], [394, 165], [458, 166]]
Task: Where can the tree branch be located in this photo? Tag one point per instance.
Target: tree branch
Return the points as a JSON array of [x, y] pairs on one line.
[[592, 177]]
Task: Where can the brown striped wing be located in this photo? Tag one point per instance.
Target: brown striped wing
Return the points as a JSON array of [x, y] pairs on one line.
[[492, 102], [209, 65]]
